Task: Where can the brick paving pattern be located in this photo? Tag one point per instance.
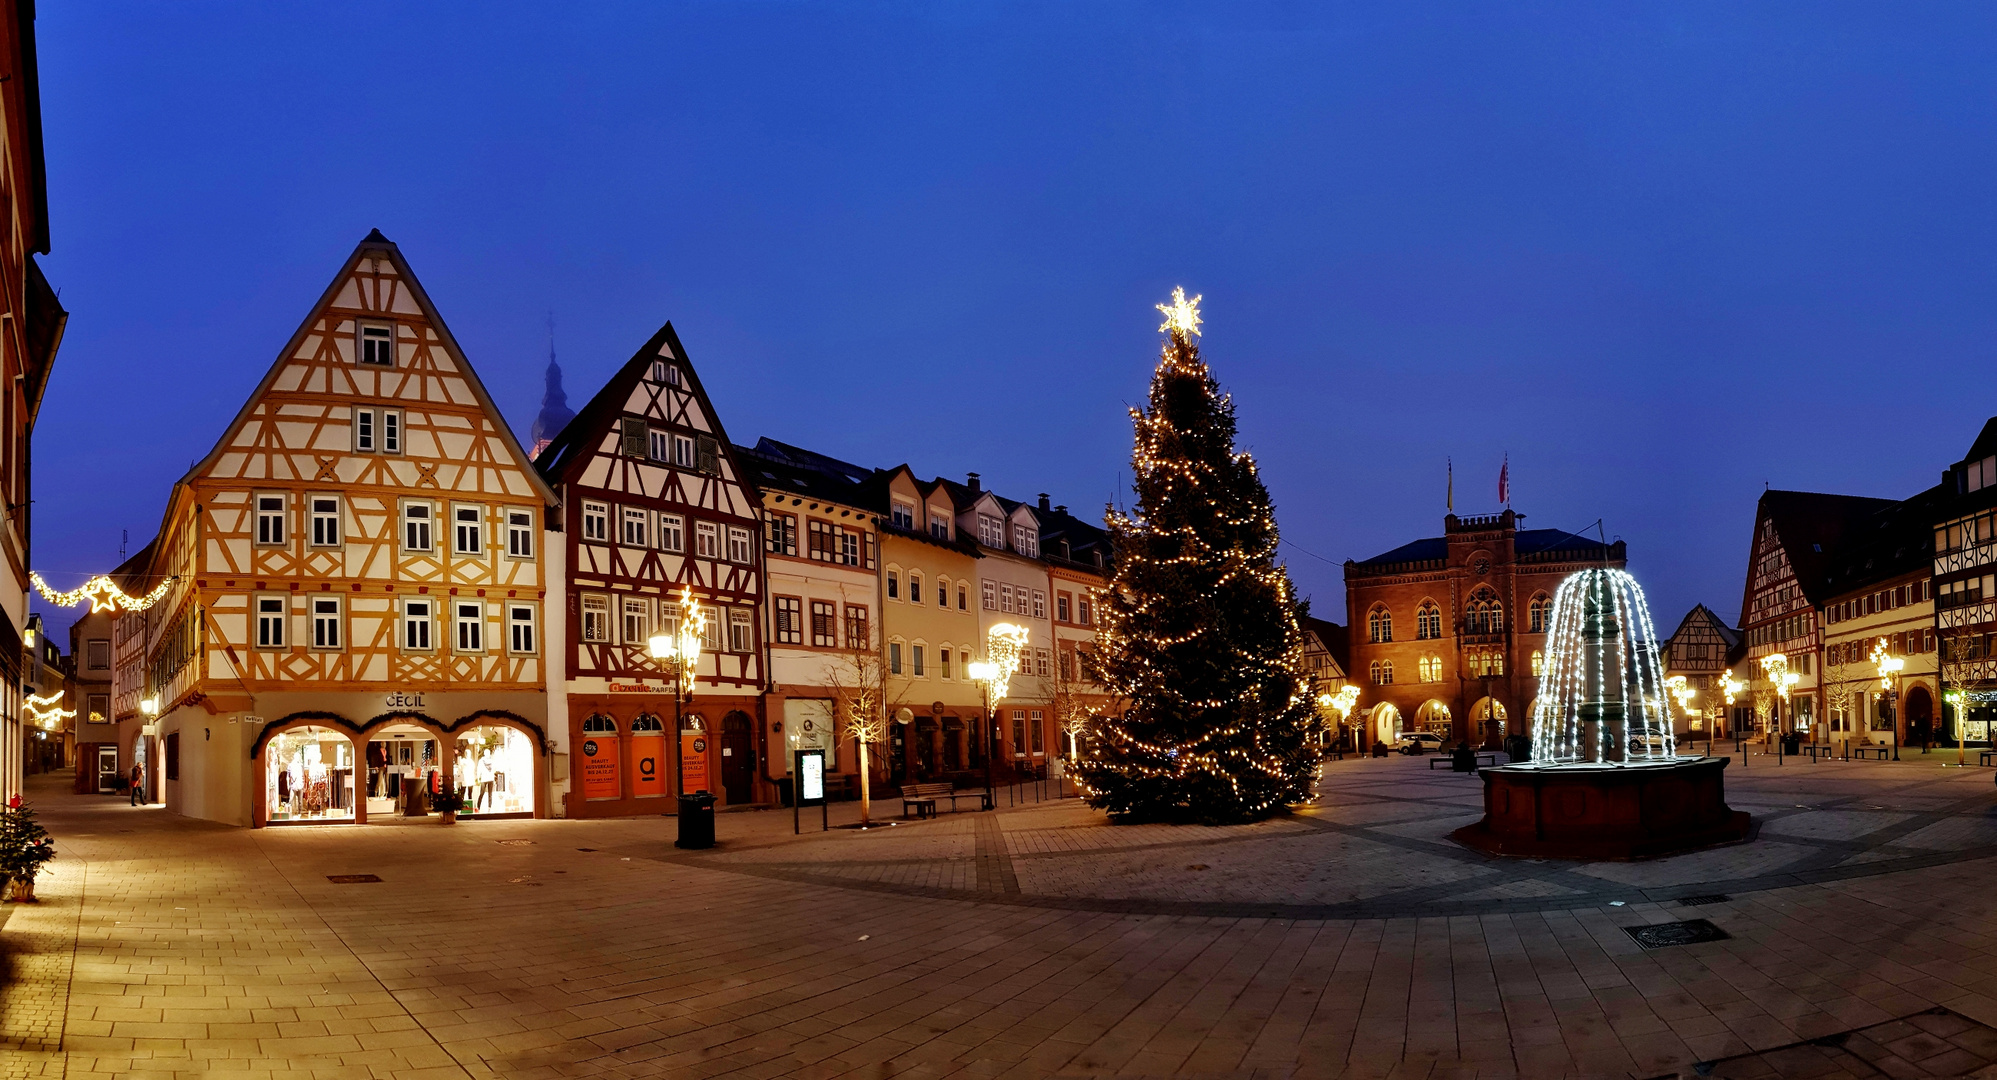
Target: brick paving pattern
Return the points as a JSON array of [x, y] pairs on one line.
[[1350, 939]]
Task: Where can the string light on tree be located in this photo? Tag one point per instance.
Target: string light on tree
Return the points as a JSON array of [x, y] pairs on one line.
[[103, 594]]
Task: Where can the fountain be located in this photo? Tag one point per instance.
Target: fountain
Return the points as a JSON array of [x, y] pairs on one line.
[[1604, 780]]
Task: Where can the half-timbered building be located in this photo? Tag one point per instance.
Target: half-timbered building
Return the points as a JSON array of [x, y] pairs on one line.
[[1700, 650], [654, 505], [356, 585]]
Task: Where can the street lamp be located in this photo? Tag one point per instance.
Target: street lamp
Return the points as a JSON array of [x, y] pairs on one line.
[[983, 672], [1889, 681], [678, 653], [1337, 707], [149, 707], [1776, 665], [1730, 689], [1004, 645], [1955, 700], [1683, 691]]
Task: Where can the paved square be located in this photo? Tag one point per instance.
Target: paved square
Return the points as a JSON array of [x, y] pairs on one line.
[[1350, 939]]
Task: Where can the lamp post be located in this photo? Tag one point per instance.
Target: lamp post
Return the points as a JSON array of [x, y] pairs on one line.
[[1004, 645], [1683, 692], [982, 672], [1889, 681], [1776, 665], [678, 654], [1730, 689], [1954, 700]]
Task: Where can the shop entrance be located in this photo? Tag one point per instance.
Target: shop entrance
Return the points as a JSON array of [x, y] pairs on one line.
[[107, 769], [403, 769], [738, 759]]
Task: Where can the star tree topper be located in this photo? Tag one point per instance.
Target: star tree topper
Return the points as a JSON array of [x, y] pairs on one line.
[[1181, 314]]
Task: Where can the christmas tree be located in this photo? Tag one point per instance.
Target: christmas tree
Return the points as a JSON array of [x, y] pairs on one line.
[[1200, 632], [24, 847]]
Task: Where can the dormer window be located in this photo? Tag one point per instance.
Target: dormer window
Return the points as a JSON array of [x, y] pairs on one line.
[[1025, 540], [377, 345], [991, 531], [939, 528], [903, 515]]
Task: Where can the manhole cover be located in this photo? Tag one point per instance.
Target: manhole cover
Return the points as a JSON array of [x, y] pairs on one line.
[[351, 879], [1701, 901], [515, 843], [1665, 935]]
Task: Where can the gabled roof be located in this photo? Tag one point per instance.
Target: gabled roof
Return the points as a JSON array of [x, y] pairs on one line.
[[1335, 638], [570, 451], [1809, 526], [1896, 540], [1986, 442], [374, 246], [1084, 539], [964, 496], [799, 457], [773, 466], [1701, 614]]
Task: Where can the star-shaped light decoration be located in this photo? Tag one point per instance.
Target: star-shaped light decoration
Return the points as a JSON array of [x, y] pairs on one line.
[[1181, 315]]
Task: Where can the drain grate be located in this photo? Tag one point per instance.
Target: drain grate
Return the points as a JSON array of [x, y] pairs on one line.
[[1702, 901], [1665, 935], [585, 849], [515, 843], [352, 879]]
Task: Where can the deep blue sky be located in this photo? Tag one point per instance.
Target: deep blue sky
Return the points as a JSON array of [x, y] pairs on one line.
[[1660, 255]]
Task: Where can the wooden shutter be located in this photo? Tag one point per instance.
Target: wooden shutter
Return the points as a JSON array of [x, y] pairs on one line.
[[635, 436]]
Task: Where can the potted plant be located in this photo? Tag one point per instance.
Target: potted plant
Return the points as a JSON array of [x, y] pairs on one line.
[[24, 847], [447, 804]]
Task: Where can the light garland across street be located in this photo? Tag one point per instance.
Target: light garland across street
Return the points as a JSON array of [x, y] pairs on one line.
[[103, 594]]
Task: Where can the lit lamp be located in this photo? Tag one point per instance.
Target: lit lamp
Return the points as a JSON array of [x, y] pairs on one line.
[[1730, 689], [1337, 707], [679, 654], [983, 672], [1889, 683], [149, 707], [1004, 644], [1776, 666], [1956, 699]]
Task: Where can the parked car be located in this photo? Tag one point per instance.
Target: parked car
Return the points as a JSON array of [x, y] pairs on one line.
[[1648, 741], [1420, 742]]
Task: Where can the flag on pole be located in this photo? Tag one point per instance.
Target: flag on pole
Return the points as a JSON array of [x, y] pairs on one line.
[[1505, 481], [1449, 497]]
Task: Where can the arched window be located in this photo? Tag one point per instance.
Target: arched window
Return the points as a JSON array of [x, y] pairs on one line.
[[1383, 672], [646, 722], [598, 724], [1539, 614], [1379, 626], [1484, 615], [1428, 622], [1431, 669], [1538, 663]]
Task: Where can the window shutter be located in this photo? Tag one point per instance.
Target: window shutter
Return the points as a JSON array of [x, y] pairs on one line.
[[635, 437], [709, 455]]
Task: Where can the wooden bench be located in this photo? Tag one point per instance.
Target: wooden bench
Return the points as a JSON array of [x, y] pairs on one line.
[[1983, 756], [1861, 751], [1449, 760], [924, 797]]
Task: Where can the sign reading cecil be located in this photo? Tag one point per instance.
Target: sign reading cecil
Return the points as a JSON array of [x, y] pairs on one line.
[[599, 768], [693, 760]]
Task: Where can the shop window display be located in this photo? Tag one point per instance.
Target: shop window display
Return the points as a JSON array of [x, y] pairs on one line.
[[309, 776], [393, 757], [495, 770]]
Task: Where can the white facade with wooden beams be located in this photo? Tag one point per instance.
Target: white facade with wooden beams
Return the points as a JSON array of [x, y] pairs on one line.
[[653, 503], [361, 551]]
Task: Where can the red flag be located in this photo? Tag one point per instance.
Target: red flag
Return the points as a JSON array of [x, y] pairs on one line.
[[1505, 481]]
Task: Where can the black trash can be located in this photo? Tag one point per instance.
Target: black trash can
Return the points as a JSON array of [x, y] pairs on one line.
[[696, 821], [1792, 744]]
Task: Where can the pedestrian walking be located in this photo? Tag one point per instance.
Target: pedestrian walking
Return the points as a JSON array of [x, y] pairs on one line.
[[138, 783]]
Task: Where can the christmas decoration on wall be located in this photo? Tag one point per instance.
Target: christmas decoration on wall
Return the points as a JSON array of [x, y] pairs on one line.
[[1004, 645], [103, 594], [1200, 632]]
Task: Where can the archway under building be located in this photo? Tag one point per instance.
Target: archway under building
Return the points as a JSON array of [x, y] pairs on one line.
[[1386, 723], [1489, 716], [1434, 718], [1920, 716]]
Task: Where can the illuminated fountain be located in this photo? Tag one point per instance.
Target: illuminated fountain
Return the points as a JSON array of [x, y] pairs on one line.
[[1604, 780]]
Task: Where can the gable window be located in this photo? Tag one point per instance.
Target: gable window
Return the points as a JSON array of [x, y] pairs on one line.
[[991, 531], [672, 532], [1428, 622], [683, 451], [914, 587], [595, 617], [325, 622], [707, 539], [270, 519], [857, 635], [325, 521], [903, 515], [634, 527], [665, 374], [416, 526], [520, 534], [939, 527], [364, 431], [468, 533], [520, 628], [416, 616], [391, 431], [707, 455], [781, 539], [596, 522], [789, 620], [1025, 541], [637, 620], [741, 631], [661, 446], [378, 345], [637, 443], [470, 620], [270, 622], [739, 547]]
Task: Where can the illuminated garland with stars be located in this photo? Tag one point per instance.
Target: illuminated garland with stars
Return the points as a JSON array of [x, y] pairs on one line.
[[103, 594], [46, 711], [1199, 628]]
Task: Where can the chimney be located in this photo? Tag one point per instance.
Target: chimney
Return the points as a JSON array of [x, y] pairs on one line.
[[974, 482], [1060, 509], [1043, 503]]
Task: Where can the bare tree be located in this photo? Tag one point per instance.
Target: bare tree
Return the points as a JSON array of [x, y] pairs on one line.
[[1078, 700], [1841, 685], [862, 701]]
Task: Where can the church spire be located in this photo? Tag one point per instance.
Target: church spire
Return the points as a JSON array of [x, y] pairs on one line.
[[555, 412]]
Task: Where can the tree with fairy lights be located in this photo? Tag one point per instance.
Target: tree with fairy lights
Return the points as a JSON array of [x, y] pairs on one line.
[[1200, 638]]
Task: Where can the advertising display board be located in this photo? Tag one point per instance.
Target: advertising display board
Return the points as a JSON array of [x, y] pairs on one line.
[[599, 767], [808, 770], [693, 761]]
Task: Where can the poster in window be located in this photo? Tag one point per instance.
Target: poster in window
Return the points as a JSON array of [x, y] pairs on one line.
[[599, 767], [648, 764], [809, 725]]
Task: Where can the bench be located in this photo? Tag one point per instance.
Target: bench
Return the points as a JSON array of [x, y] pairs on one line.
[[924, 797], [1861, 751], [1820, 751], [1481, 759], [1983, 756]]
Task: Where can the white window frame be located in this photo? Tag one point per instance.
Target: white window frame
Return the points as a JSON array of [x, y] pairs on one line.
[[659, 445], [458, 525], [597, 605], [276, 518], [706, 540], [672, 533], [519, 533], [272, 612], [520, 628], [375, 333], [1024, 540], [990, 590], [684, 454], [367, 430], [741, 549], [741, 630], [632, 522], [467, 630], [391, 431], [634, 619], [410, 526], [1039, 604], [991, 531], [326, 531], [328, 622], [418, 632], [598, 514], [903, 515]]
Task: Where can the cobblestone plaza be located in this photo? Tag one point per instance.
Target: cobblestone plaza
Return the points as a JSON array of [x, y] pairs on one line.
[[1349, 939]]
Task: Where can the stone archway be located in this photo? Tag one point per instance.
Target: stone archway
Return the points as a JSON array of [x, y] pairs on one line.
[[1920, 715], [1434, 718], [1386, 723], [1488, 718], [304, 771]]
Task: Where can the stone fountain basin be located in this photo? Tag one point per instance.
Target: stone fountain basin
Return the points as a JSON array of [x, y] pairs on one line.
[[1637, 810]]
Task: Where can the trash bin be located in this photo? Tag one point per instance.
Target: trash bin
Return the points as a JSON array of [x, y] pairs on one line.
[[696, 821], [1792, 744], [1463, 759]]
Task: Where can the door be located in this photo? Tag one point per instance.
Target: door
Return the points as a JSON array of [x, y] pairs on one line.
[[107, 769], [738, 759]]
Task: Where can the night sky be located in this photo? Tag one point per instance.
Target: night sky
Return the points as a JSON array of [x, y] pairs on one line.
[[1660, 255]]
